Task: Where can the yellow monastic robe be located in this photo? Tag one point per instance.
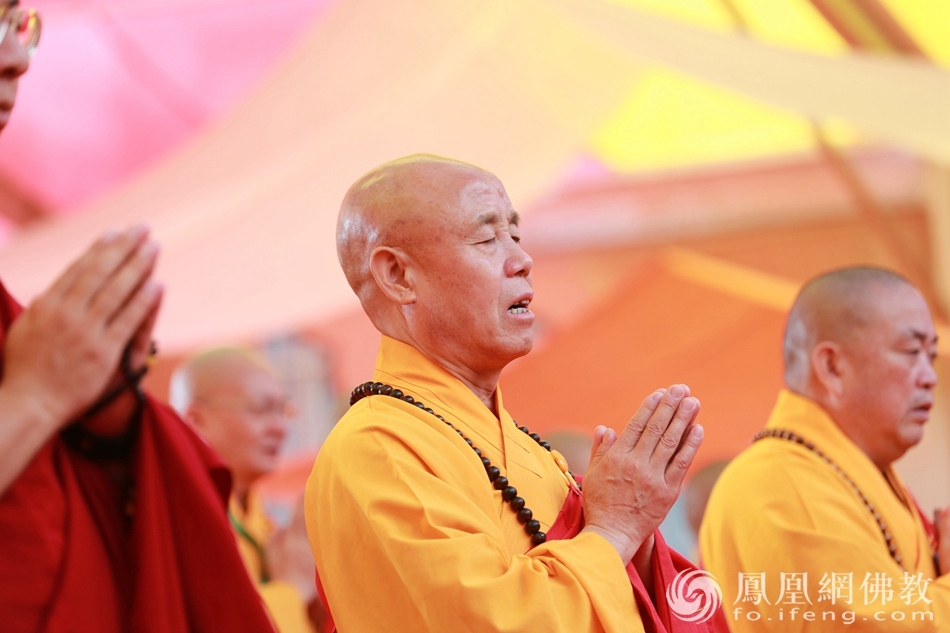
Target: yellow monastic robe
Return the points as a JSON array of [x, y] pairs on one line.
[[806, 543], [409, 535], [282, 599]]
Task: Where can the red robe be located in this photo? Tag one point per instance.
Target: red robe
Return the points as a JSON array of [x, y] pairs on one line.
[[69, 562]]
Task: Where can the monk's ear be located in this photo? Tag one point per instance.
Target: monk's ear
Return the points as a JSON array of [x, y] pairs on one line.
[[195, 416], [389, 267], [828, 367]]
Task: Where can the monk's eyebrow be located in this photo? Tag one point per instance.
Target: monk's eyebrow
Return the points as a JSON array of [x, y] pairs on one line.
[[491, 217], [911, 333]]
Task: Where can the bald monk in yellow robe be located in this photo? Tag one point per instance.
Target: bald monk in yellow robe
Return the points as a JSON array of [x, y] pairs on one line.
[[816, 497], [428, 508], [234, 398]]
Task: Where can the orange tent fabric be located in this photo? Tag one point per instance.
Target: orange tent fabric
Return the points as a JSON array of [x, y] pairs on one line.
[[657, 330]]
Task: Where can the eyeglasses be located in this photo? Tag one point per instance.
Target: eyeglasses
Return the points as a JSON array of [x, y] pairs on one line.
[[25, 23]]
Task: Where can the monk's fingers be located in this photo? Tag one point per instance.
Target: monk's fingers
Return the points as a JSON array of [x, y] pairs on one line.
[[100, 262], [142, 342], [604, 438], [67, 278], [676, 471], [133, 316], [661, 419], [118, 289], [595, 450], [674, 434], [634, 429]]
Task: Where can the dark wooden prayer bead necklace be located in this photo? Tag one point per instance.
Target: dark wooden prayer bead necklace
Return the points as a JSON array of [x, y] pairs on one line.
[[792, 437], [508, 493]]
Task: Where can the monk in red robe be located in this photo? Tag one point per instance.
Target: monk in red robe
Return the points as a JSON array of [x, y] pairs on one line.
[[112, 512]]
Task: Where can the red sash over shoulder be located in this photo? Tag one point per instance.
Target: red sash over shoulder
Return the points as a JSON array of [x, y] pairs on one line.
[[64, 565]]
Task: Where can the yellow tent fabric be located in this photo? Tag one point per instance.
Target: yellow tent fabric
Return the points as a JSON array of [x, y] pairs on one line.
[[897, 100]]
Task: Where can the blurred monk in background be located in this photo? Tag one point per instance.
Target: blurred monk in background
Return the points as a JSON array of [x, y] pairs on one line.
[[112, 510], [235, 400]]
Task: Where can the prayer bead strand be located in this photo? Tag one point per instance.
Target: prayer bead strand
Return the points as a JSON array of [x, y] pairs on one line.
[[509, 493], [797, 439]]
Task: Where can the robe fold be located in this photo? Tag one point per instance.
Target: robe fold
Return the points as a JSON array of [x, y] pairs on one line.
[[409, 535], [72, 560], [796, 549]]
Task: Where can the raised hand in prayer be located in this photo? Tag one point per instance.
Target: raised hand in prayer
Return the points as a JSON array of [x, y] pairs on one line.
[[634, 478], [63, 351]]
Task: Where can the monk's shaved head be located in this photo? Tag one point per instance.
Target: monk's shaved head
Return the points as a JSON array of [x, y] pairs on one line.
[[833, 307], [432, 248], [203, 375], [233, 397], [389, 206]]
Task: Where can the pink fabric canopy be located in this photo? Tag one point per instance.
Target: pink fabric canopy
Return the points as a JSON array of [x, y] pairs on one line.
[[117, 84]]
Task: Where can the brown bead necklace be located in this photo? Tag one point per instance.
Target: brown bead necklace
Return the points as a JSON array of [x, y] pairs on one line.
[[798, 439], [508, 492]]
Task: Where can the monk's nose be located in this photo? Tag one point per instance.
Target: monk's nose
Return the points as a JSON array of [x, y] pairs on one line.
[[519, 263]]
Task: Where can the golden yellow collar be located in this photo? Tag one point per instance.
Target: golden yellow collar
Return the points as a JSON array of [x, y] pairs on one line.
[[408, 369], [808, 419]]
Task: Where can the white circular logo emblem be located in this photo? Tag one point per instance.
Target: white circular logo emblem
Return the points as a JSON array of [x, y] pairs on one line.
[[694, 595]]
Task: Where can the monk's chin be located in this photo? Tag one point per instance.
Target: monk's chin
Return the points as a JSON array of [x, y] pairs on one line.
[[911, 435], [521, 350]]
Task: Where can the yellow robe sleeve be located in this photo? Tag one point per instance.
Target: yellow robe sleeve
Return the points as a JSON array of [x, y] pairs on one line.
[[772, 516], [407, 536]]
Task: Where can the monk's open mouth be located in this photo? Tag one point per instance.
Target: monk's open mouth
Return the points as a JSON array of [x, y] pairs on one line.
[[519, 308]]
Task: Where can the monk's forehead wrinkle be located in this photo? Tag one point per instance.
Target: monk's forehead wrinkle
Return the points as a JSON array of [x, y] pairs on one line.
[[483, 186]]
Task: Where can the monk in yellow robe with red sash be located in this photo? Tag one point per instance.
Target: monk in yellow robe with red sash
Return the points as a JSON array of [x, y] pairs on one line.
[[429, 508], [811, 529]]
